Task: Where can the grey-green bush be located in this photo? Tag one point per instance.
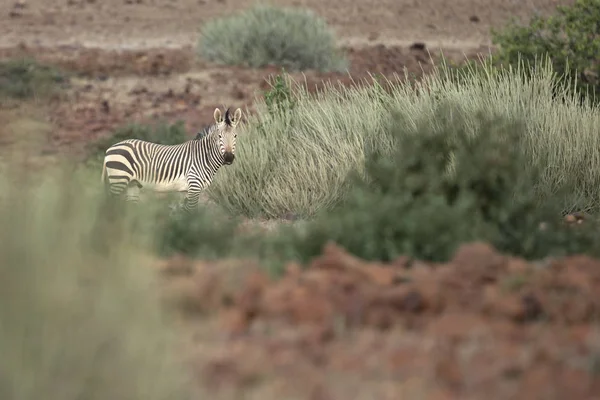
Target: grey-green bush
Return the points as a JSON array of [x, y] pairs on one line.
[[294, 38], [25, 78]]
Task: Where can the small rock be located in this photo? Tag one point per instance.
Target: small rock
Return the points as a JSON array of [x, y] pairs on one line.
[[293, 269], [234, 322], [418, 46], [181, 106], [105, 106], [532, 308], [289, 216], [373, 36]]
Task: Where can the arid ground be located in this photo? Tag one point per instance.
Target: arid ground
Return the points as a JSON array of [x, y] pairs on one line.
[[483, 326], [136, 58]]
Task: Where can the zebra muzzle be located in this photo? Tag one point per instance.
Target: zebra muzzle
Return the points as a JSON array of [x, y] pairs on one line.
[[228, 157]]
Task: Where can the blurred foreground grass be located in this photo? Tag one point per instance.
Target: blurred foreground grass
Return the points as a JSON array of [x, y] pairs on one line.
[[80, 315]]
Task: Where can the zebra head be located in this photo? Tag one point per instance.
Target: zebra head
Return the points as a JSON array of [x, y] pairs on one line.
[[227, 133]]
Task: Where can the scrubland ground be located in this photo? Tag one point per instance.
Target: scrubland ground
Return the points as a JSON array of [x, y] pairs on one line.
[[93, 313]]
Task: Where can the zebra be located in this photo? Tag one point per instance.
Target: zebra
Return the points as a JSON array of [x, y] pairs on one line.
[[189, 167]]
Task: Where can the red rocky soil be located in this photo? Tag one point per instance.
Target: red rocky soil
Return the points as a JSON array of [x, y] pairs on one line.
[[483, 325]]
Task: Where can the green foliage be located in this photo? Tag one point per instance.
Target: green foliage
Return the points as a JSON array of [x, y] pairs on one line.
[[26, 78], [279, 99], [209, 233], [293, 38], [76, 322], [571, 37], [454, 178], [280, 103]]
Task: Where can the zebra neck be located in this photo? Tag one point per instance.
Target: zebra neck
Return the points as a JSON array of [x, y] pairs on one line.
[[209, 153]]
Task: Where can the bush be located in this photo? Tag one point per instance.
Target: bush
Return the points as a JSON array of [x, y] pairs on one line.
[[75, 322], [25, 78], [209, 233], [298, 161], [457, 178], [293, 38], [570, 37]]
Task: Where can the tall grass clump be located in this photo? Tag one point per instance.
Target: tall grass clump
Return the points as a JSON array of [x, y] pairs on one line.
[[80, 316], [299, 160], [296, 158], [294, 38], [24, 78]]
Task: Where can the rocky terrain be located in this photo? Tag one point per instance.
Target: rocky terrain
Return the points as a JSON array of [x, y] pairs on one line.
[[484, 325]]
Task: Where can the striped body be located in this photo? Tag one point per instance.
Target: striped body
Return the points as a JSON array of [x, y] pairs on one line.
[[190, 167]]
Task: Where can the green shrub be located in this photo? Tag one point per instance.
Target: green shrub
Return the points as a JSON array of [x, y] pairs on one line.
[[26, 78], [570, 37], [299, 161], [75, 322], [457, 178], [294, 38], [209, 233]]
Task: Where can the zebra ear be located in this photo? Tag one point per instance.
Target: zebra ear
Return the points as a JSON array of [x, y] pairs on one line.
[[236, 117], [217, 115]]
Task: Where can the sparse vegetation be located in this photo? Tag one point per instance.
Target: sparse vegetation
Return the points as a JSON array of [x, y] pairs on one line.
[[26, 78], [294, 38]]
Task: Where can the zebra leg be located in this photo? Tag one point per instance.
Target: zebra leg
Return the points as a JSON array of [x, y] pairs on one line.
[[116, 188], [133, 192], [190, 201]]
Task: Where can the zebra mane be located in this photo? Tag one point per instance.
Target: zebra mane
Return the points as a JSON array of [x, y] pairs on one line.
[[227, 118], [205, 132]]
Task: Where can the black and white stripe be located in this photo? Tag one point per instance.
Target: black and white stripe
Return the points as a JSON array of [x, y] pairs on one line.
[[190, 167]]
